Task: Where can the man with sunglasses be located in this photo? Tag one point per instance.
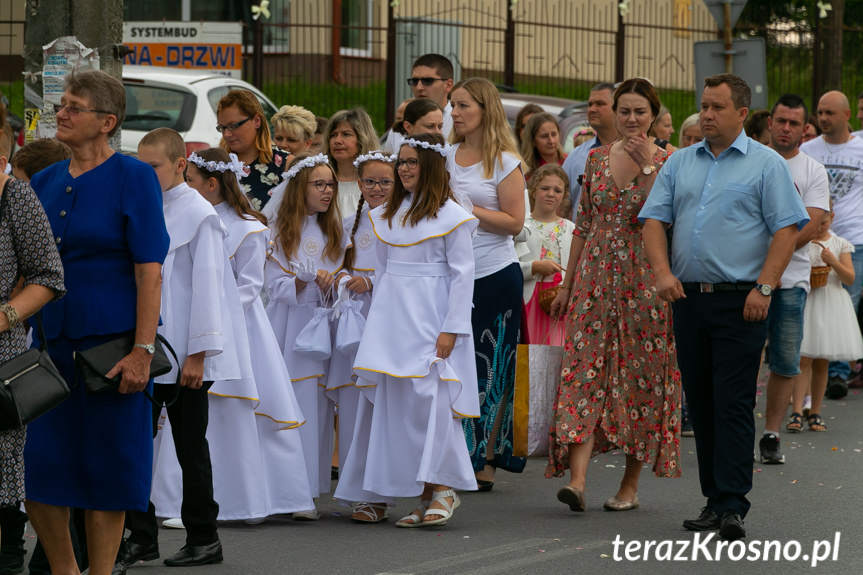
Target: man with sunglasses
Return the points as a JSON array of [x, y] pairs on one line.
[[432, 78]]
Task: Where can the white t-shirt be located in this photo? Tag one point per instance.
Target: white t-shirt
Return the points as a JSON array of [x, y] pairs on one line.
[[844, 164], [492, 252], [811, 181]]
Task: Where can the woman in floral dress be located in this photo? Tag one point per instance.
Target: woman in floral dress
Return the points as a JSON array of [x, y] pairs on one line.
[[619, 387], [245, 132]]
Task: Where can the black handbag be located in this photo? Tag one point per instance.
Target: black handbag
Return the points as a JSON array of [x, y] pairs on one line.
[[30, 385], [95, 362]]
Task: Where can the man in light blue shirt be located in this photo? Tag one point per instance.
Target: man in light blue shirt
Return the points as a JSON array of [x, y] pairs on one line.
[[600, 116], [735, 214]]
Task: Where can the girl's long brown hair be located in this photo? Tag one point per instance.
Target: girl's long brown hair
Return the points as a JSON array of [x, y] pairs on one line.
[[292, 213], [432, 185], [229, 186]]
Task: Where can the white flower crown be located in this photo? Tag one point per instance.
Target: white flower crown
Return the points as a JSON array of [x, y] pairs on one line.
[[376, 155], [235, 165], [309, 162], [442, 150]]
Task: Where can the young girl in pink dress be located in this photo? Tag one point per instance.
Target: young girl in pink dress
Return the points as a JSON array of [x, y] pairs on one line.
[[544, 249]]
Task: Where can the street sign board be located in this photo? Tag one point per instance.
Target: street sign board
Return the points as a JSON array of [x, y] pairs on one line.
[[212, 46], [749, 59], [717, 10]]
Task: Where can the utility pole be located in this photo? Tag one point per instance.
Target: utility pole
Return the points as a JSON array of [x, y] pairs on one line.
[[96, 23]]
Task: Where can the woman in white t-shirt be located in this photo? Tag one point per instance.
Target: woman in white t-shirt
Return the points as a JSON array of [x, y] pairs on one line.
[[485, 167]]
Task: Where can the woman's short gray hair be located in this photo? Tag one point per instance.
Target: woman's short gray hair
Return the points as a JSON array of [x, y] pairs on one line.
[[104, 91]]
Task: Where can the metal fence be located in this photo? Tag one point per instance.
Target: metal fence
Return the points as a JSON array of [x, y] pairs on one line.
[[11, 48], [332, 54], [343, 53]]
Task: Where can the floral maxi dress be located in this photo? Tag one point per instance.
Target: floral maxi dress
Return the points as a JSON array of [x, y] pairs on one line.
[[619, 380]]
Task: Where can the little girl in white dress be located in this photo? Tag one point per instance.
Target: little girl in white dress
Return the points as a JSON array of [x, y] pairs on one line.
[[830, 330]]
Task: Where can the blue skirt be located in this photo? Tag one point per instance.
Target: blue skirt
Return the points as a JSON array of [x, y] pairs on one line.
[[93, 451], [496, 317]]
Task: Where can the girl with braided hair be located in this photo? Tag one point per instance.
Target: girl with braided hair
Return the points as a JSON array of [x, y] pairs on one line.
[[376, 178]]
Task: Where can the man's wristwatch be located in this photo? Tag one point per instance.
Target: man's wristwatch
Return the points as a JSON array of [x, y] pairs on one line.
[[648, 169], [764, 289], [148, 347]]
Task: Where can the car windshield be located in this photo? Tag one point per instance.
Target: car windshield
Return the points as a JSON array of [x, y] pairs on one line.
[[151, 107]]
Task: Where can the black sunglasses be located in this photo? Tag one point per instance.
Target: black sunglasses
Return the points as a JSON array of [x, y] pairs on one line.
[[425, 81]]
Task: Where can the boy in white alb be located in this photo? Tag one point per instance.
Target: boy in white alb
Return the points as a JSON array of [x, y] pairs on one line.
[[200, 323]]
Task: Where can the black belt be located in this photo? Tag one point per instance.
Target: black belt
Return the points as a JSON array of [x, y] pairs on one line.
[[710, 288]]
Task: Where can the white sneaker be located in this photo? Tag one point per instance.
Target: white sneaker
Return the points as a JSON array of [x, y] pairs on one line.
[[175, 523], [254, 520], [310, 515]]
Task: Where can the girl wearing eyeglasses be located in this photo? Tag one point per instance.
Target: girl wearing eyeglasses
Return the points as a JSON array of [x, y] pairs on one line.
[[377, 178], [306, 254], [416, 356]]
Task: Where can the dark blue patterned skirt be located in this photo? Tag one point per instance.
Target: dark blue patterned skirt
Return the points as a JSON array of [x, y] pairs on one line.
[[496, 317]]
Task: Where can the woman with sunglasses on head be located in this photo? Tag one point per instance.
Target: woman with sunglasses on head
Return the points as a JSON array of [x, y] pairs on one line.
[[485, 166], [246, 133]]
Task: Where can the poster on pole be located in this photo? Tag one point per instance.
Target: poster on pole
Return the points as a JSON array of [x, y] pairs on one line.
[[61, 57]]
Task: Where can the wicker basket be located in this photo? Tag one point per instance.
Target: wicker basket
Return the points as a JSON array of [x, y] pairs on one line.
[[546, 297], [818, 276]]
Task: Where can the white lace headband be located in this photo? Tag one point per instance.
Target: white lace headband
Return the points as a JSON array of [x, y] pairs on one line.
[[309, 162], [235, 165], [442, 150], [376, 155]]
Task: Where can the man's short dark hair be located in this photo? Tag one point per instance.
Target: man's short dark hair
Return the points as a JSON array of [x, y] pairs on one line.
[[741, 95], [436, 62], [794, 102]]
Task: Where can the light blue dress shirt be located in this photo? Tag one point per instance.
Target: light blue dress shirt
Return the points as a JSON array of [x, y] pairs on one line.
[[724, 210], [573, 165]]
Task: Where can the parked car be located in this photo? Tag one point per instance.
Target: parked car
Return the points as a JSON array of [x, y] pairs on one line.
[[184, 100], [570, 114]]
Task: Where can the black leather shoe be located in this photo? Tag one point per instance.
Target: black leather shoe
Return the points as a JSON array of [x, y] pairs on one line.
[[707, 521], [191, 555], [731, 526], [131, 553]]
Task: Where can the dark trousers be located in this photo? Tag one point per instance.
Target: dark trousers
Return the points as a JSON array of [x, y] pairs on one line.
[[719, 355], [188, 417]]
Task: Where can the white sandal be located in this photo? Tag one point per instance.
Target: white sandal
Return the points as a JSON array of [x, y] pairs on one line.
[[415, 519], [369, 513], [445, 513]]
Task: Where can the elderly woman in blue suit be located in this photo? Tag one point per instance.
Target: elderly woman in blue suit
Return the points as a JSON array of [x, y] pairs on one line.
[[105, 209]]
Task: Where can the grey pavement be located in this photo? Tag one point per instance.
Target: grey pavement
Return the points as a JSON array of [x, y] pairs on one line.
[[520, 528]]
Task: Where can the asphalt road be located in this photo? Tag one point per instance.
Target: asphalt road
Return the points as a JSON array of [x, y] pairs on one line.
[[804, 507]]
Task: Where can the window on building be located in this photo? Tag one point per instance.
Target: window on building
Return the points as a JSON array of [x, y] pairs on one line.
[[136, 11], [356, 34]]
